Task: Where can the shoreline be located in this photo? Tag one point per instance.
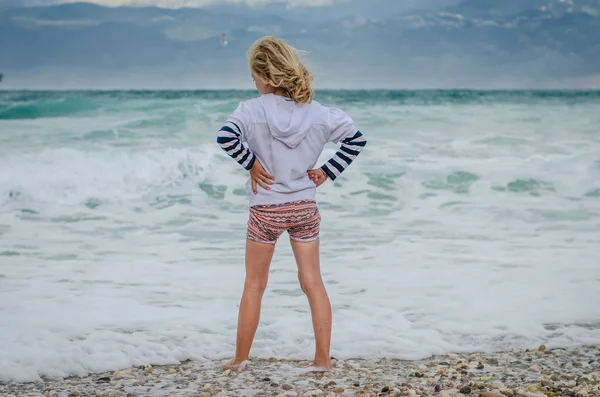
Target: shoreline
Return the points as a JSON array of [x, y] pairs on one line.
[[541, 372]]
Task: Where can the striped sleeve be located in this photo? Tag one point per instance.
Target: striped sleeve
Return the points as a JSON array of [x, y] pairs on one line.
[[230, 140], [350, 149]]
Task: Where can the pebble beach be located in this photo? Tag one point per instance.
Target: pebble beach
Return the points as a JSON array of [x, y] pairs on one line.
[[539, 372]]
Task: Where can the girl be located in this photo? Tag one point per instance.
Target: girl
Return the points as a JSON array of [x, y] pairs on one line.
[[285, 132]]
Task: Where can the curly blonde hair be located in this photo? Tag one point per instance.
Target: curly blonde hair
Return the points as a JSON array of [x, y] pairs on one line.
[[277, 64]]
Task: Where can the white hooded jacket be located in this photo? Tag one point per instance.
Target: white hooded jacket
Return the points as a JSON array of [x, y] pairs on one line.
[[288, 139]]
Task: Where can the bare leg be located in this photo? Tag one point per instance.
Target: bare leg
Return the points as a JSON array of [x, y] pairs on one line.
[[309, 274], [258, 261]]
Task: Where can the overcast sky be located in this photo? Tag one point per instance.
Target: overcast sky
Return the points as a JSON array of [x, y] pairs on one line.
[[373, 8], [185, 3]]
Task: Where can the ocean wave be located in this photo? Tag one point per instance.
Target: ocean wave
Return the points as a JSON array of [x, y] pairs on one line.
[[163, 177], [459, 228], [41, 104], [85, 177], [47, 108]]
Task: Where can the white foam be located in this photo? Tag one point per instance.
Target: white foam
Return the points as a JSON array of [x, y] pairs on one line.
[[72, 176], [413, 264]]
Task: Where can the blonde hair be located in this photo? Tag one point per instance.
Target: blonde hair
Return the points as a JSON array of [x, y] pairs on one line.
[[277, 64]]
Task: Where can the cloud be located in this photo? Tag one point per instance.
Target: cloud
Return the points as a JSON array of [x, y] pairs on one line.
[[56, 22], [188, 3]]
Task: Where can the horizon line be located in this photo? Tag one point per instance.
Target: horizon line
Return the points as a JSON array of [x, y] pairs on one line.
[[590, 89]]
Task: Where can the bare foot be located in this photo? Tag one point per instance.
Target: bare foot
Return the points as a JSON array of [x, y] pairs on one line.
[[313, 368], [241, 367], [320, 367], [323, 366]]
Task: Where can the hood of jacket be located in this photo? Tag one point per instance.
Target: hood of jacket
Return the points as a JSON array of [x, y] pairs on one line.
[[288, 122]]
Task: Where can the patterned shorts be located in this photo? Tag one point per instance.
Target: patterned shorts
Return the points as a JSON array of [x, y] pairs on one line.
[[301, 219]]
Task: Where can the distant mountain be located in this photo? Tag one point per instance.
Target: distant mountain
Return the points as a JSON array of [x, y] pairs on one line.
[[350, 8], [508, 8], [339, 9], [477, 43], [11, 3]]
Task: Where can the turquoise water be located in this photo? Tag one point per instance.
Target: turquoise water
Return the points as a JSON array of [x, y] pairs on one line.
[[470, 222], [38, 104]]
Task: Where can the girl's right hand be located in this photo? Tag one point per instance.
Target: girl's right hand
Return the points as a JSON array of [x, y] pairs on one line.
[[259, 176], [318, 176]]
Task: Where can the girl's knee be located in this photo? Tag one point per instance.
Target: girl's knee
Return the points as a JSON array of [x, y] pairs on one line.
[[257, 284], [309, 282], [302, 287]]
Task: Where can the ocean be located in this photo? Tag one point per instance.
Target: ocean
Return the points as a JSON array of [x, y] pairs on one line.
[[471, 222]]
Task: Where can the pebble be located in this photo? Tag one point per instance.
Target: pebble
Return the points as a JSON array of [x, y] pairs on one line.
[[312, 393], [450, 392], [537, 373], [492, 394], [507, 392], [570, 383], [497, 385]]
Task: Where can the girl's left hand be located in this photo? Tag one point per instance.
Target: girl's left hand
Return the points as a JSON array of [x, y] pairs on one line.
[[318, 176], [259, 176]]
